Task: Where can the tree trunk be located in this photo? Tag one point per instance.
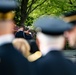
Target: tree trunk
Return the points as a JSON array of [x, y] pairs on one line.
[[24, 14], [23, 19]]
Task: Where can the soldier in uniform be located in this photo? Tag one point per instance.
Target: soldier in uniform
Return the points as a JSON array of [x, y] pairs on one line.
[[11, 61], [50, 40]]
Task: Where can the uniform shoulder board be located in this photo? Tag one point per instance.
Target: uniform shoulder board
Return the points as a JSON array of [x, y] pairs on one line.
[[34, 57]]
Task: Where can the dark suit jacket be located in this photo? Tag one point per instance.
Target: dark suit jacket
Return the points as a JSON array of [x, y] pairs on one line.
[[20, 34], [12, 62], [54, 63]]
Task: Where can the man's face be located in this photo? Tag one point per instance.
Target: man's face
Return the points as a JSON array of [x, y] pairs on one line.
[[71, 36]]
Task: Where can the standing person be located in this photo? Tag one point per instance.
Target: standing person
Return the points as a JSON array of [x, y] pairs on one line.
[[70, 17], [11, 61], [50, 40]]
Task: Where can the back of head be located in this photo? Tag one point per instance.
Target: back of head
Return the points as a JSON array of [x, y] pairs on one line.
[[22, 45], [54, 42], [50, 30]]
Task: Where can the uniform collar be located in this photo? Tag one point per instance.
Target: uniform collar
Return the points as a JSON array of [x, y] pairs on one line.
[[4, 39], [46, 50]]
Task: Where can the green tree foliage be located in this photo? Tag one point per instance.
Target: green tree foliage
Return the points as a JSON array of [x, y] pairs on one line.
[[26, 7], [31, 9]]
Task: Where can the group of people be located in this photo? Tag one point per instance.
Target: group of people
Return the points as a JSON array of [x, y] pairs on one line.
[[22, 33], [20, 56]]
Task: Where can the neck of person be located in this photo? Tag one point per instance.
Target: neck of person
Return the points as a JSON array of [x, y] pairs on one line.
[[47, 43], [6, 38], [47, 47]]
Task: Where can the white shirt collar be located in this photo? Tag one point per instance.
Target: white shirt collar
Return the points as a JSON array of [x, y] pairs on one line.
[[4, 39], [46, 50]]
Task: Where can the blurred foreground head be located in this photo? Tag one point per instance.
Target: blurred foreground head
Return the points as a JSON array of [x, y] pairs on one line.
[[70, 17], [23, 46], [50, 33], [7, 14]]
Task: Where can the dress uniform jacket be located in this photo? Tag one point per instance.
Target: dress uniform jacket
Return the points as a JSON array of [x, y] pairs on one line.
[[54, 63], [12, 62]]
